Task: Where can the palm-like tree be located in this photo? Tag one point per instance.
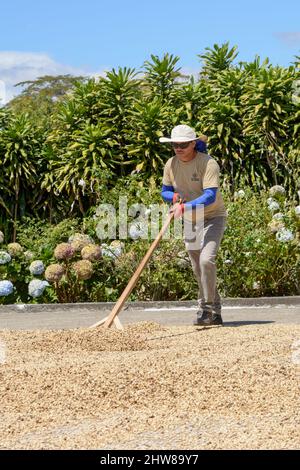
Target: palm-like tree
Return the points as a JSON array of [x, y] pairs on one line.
[[20, 144], [120, 91], [267, 104], [217, 59], [161, 77], [76, 171], [223, 126], [150, 120]]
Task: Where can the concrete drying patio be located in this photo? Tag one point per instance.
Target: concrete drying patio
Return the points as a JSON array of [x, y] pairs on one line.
[[64, 316]]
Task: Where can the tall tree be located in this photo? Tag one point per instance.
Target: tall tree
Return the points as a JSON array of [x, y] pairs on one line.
[[38, 97]]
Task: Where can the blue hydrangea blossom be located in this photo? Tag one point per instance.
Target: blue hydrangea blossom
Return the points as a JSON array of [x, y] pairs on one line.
[[4, 257], [36, 287], [6, 288], [37, 267]]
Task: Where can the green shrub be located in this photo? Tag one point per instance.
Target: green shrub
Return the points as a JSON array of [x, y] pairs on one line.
[[252, 262]]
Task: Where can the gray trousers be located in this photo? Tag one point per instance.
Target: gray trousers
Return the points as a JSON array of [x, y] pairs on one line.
[[204, 263]]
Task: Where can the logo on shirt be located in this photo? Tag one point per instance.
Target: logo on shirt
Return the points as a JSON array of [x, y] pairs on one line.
[[195, 177]]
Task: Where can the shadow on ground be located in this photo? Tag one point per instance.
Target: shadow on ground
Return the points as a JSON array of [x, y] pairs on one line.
[[243, 323]]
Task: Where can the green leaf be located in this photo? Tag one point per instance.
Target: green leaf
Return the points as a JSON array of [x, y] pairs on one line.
[[220, 129]]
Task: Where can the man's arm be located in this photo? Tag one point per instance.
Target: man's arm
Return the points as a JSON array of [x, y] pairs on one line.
[[208, 197], [168, 194]]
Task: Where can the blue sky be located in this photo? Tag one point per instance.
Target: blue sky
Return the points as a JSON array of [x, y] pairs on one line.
[[91, 36]]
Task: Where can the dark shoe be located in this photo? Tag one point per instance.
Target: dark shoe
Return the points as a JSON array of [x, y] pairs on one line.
[[201, 316], [210, 320]]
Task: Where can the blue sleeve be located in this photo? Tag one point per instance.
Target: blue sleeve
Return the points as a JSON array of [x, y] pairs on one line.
[[167, 193], [208, 197]]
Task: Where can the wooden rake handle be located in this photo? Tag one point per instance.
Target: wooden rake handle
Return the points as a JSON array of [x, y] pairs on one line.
[[126, 292]]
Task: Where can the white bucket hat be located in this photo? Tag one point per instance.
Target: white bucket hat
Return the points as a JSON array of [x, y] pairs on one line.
[[182, 133]]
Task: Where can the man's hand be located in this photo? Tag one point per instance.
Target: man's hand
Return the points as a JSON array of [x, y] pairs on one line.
[[177, 209], [176, 198]]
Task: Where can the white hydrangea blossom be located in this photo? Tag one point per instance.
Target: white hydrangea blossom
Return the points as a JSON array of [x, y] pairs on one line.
[[137, 230], [273, 206], [36, 287], [284, 235], [182, 260], [277, 189], [278, 216], [228, 261], [4, 257], [270, 199], [82, 183], [256, 285], [114, 250], [106, 250], [37, 267], [182, 263], [240, 194], [6, 288], [117, 247]]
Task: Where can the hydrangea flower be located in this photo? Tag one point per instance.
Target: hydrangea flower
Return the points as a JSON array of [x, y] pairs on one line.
[[240, 194], [1, 237], [117, 247], [28, 255], [83, 269], [37, 267], [91, 252], [284, 235], [273, 206], [278, 216], [256, 285], [36, 287], [297, 211], [182, 260], [4, 257], [136, 230], [182, 263], [14, 249], [114, 250], [6, 288], [80, 240], [228, 261], [275, 225], [107, 251], [277, 189], [64, 251], [82, 183], [54, 272]]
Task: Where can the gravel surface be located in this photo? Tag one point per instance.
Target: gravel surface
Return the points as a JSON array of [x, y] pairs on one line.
[[151, 387]]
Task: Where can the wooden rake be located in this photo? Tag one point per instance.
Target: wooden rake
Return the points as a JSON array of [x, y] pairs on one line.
[[113, 316]]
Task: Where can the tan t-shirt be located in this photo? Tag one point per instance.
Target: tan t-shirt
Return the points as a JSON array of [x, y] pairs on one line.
[[189, 179]]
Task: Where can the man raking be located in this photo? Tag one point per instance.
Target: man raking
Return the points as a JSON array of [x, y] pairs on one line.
[[193, 177]]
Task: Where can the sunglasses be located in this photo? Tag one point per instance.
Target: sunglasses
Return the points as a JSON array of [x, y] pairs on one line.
[[182, 145]]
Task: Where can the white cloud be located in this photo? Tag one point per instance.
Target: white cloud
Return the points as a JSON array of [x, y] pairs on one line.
[[17, 67], [289, 38]]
